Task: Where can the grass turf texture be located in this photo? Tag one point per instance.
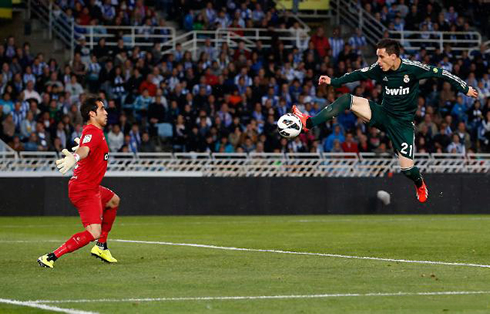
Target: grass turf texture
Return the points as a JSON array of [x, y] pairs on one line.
[[162, 271]]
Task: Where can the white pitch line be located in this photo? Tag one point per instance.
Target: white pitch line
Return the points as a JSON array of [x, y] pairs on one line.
[[44, 307], [304, 253], [269, 297], [227, 248]]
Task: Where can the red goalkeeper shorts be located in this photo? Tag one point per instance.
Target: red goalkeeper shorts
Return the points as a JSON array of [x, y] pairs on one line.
[[90, 203]]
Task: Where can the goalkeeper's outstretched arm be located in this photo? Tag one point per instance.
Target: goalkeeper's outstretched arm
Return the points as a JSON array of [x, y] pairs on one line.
[[66, 163]]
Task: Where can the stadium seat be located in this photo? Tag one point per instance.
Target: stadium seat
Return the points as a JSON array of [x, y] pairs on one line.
[[165, 130]]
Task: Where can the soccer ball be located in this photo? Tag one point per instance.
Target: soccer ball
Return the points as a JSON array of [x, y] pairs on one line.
[[289, 126]]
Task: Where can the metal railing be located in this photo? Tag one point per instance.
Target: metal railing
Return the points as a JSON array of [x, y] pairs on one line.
[[354, 15], [66, 30], [459, 41], [296, 17], [192, 41], [132, 35], [5, 148], [248, 165], [486, 46], [57, 21]]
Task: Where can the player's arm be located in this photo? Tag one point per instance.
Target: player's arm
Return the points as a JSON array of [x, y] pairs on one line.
[[81, 151], [66, 163], [371, 72], [424, 71]]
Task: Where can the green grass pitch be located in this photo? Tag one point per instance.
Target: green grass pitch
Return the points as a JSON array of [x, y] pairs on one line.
[[157, 272]]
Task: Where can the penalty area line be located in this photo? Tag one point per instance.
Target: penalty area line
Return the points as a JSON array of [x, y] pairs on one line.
[[304, 253], [269, 297], [36, 305]]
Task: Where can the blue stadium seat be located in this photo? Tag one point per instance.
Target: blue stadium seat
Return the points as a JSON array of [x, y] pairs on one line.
[[165, 130]]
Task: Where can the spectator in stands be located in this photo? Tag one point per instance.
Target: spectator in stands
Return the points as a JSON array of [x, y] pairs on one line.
[[336, 43], [456, 147], [32, 143], [358, 41], [27, 126], [16, 144], [61, 135], [142, 104], [464, 136], [336, 135], [115, 138], [320, 42], [43, 138], [146, 146], [135, 138], [234, 84], [8, 125], [442, 139], [74, 88], [148, 85], [349, 145], [30, 92], [459, 109]]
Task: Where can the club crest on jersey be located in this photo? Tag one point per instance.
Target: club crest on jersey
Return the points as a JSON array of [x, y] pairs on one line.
[[406, 79], [87, 138], [106, 156], [397, 91]]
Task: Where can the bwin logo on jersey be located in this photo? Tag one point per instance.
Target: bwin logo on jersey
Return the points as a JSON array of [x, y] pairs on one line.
[[397, 91]]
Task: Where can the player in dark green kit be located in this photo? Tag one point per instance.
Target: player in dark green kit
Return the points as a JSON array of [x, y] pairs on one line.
[[400, 81]]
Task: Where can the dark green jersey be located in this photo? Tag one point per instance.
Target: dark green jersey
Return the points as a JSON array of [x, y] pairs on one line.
[[401, 87]]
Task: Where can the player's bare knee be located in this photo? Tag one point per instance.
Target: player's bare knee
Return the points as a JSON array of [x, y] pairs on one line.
[[405, 163], [95, 230], [95, 234], [360, 107], [114, 202]]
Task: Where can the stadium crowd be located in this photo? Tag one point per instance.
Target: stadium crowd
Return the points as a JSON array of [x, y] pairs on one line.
[[110, 16], [227, 100], [429, 15]]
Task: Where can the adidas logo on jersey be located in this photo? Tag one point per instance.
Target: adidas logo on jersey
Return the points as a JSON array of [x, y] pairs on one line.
[[397, 91], [385, 79]]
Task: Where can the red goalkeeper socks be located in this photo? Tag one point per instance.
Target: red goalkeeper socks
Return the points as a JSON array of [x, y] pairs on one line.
[[76, 241], [107, 221]]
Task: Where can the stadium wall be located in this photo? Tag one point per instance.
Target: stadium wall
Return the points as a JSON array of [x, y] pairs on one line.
[[449, 194]]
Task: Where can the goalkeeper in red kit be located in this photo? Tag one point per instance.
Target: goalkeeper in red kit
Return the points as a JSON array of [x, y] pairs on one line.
[[96, 204]]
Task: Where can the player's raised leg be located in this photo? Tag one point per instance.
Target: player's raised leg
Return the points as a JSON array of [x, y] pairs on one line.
[[412, 172], [358, 105], [110, 202]]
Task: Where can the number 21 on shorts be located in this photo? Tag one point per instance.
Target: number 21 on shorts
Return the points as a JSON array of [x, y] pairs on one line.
[[405, 146]]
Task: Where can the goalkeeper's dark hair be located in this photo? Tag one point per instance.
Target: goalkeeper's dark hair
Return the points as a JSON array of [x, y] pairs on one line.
[[392, 46], [89, 105]]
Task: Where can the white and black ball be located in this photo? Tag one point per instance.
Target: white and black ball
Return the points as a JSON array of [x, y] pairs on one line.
[[289, 126]]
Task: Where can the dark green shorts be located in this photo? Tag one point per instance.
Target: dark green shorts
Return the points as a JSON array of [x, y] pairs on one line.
[[400, 132]]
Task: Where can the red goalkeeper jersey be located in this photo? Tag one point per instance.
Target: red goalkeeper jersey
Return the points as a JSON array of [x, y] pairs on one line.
[[89, 171]]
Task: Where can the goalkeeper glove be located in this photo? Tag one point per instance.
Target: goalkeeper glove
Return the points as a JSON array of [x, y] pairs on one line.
[[66, 163], [74, 148]]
